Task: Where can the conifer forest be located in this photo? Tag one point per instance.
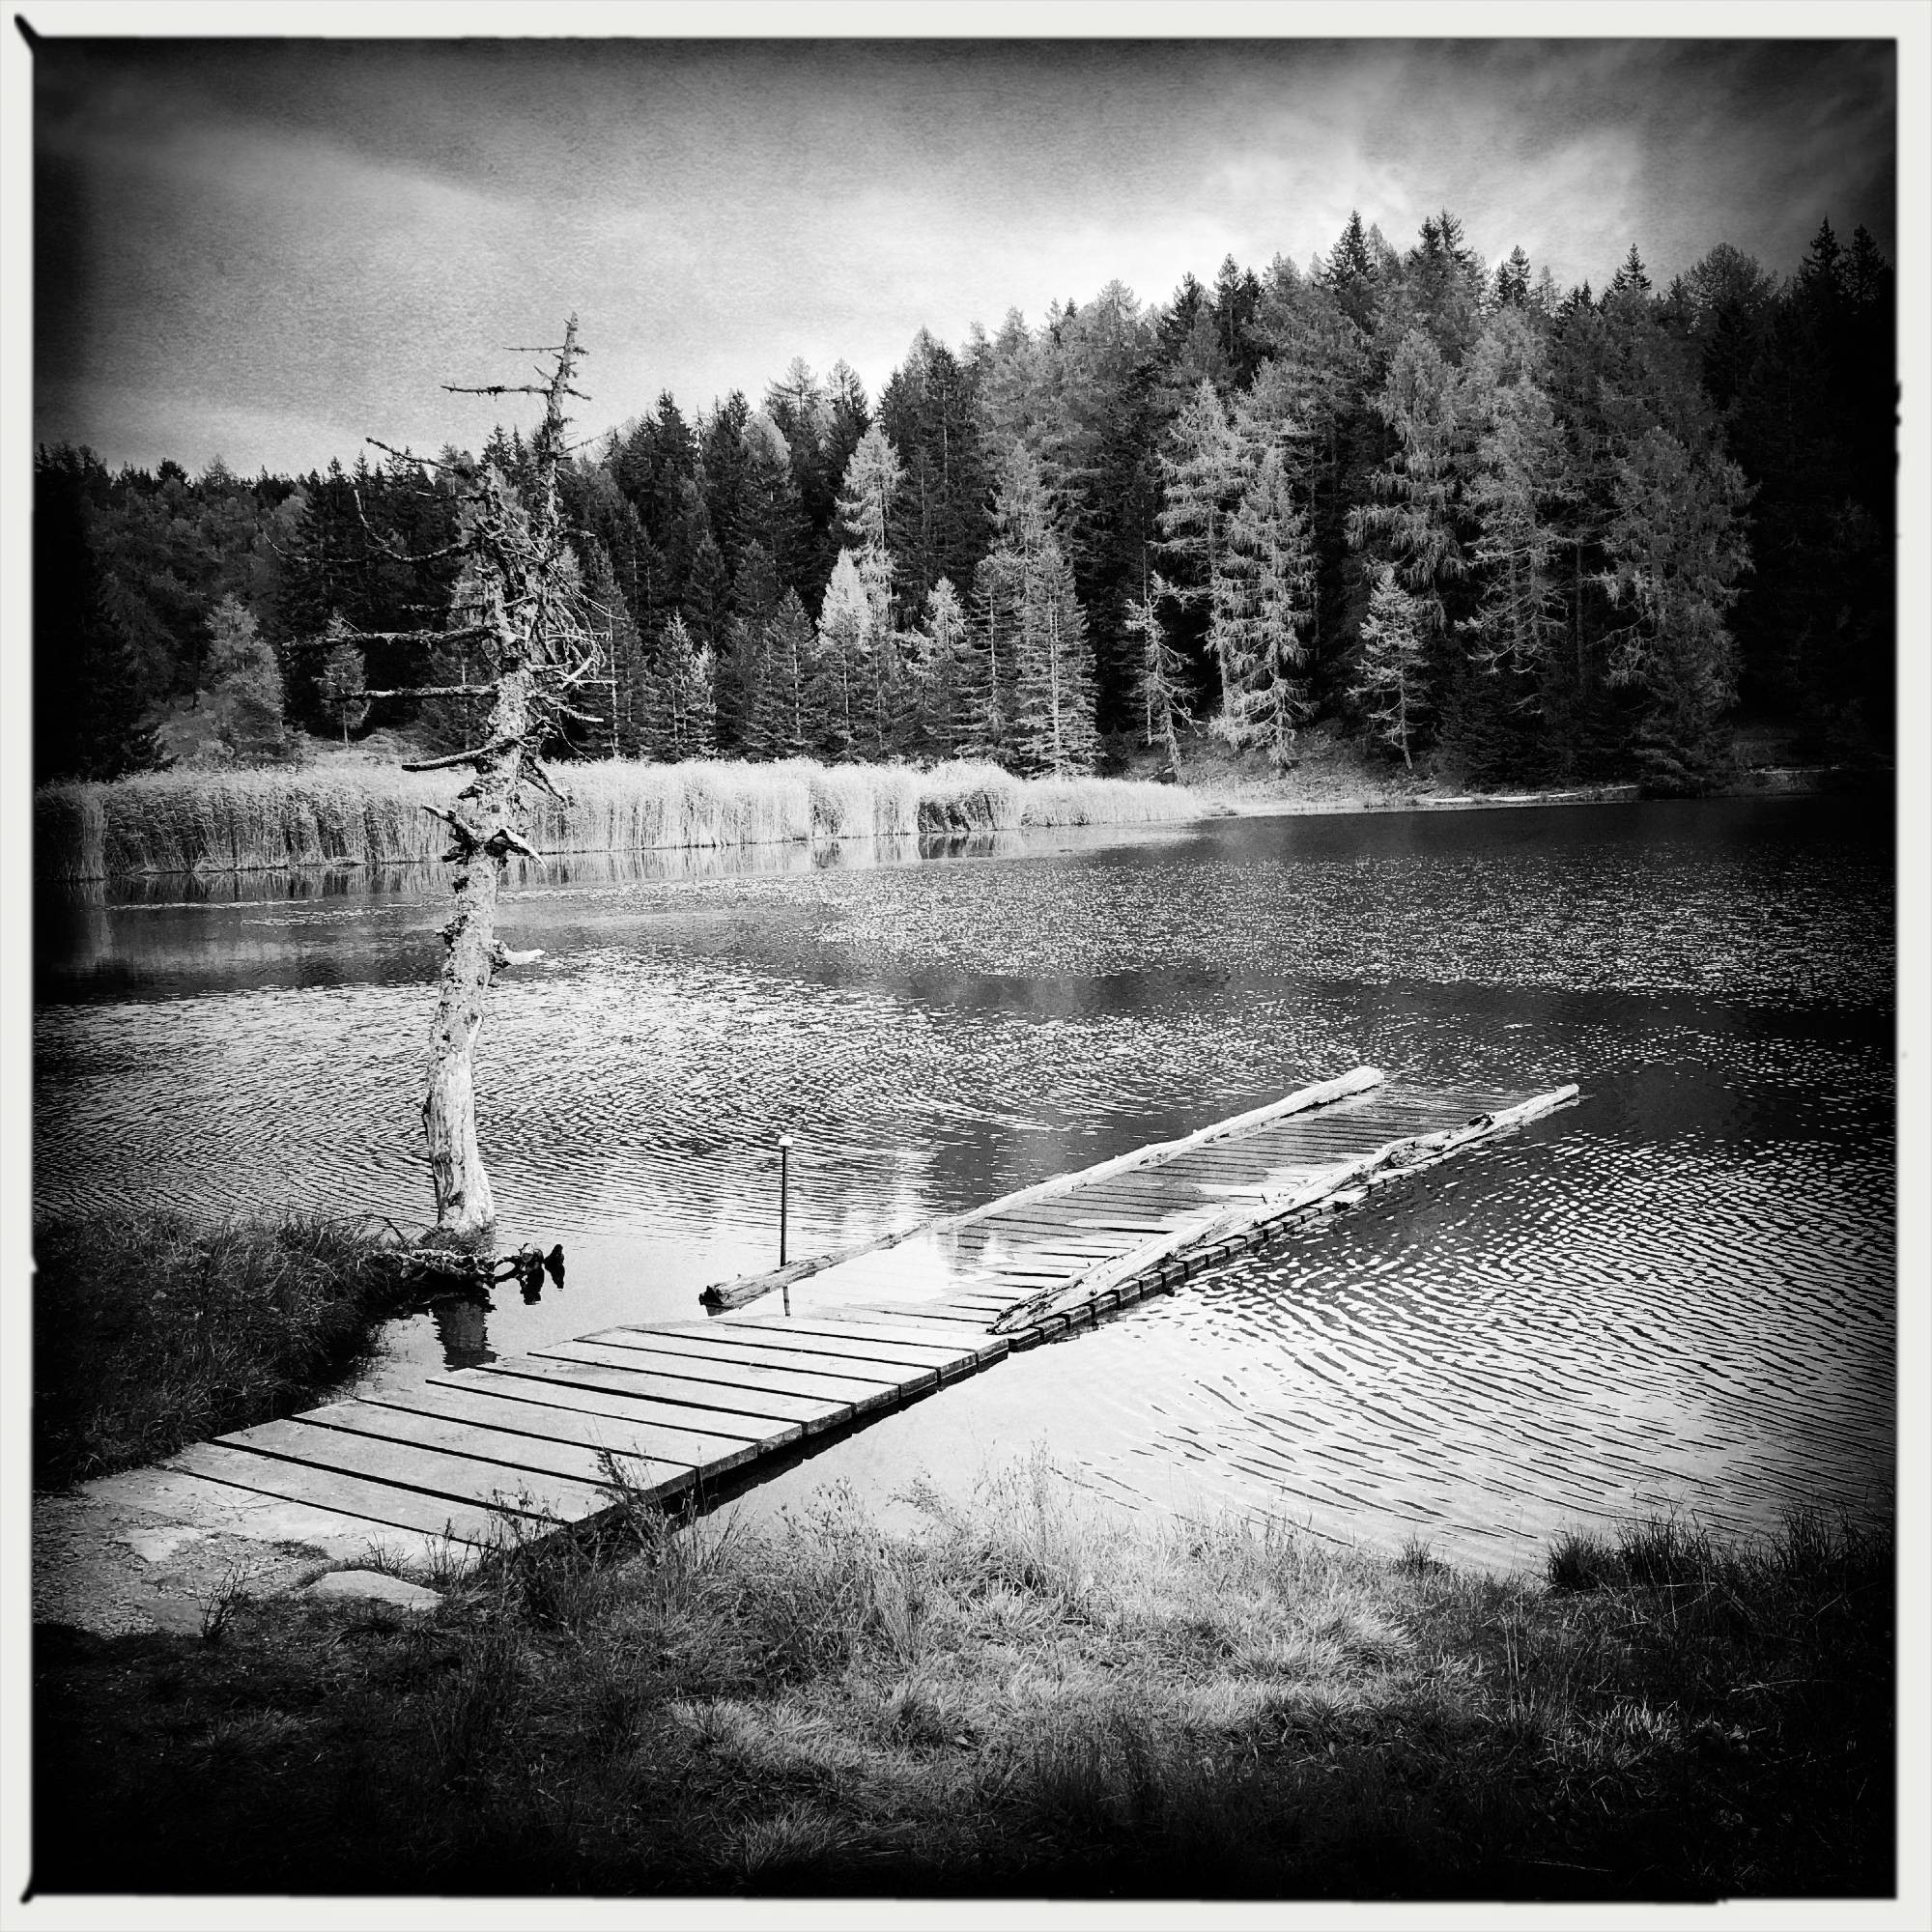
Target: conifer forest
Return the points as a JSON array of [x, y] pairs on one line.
[[1520, 533]]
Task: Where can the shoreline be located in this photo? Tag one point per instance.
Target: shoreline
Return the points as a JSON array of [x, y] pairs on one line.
[[1213, 800]]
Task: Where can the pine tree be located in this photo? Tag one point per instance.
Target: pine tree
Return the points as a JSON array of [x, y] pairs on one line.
[[777, 728], [982, 709], [245, 683], [1200, 477], [1516, 477], [681, 722], [1389, 688], [840, 680], [933, 658], [343, 678], [1264, 614], [1352, 271], [1676, 549], [1052, 727], [1412, 522], [1512, 283], [1160, 686]]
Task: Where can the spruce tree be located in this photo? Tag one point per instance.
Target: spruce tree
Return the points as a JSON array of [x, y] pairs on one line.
[[933, 657], [343, 678], [1516, 479], [1264, 614], [1199, 477], [983, 706], [1676, 550], [1412, 522], [1390, 688], [1161, 684], [246, 684], [777, 728], [1052, 725], [841, 683], [681, 722]]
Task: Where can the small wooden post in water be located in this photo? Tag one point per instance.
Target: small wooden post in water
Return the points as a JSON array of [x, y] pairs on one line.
[[785, 1206]]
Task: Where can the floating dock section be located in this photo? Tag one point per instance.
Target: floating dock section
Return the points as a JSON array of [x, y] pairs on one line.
[[524, 1444]]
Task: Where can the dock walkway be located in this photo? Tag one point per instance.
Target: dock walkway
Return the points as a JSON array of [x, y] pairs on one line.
[[822, 1347]]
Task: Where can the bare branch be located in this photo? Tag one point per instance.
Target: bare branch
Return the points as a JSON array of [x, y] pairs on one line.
[[455, 636], [511, 389], [541, 779], [428, 462], [435, 691], [466, 838], [468, 758], [503, 839], [391, 550]]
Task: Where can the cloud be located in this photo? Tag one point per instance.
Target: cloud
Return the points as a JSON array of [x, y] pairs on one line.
[[310, 234]]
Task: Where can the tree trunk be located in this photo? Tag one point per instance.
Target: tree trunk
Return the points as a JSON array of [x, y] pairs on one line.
[[486, 827]]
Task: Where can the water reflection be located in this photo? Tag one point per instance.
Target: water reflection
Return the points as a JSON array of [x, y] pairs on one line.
[[1685, 1287], [463, 1328]]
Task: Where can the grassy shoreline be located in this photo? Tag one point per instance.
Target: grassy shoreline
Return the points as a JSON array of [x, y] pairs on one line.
[[337, 811], [361, 808], [154, 1329], [1015, 1697], [1020, 1695]]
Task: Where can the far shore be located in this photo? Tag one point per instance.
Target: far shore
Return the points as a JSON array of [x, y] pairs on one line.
[[359, 806]]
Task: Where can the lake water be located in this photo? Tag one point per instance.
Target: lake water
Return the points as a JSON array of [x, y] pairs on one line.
[[1679, 1293]]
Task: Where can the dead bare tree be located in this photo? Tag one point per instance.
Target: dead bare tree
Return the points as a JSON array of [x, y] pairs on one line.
[[528, 615]]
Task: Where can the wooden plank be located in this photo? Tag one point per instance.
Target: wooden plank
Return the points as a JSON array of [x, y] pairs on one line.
[[663, 1460], [743, 1371], [810, 1412], [174, 1497], [685, 1440], [851, 1371], [938, 1313], [493, 1445], [974, 1297], [331, 1489], [888, 1357], [455, 1478], [760, 1430], [949, 1349]]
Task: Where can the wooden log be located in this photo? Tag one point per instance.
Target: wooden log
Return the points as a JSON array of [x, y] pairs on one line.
[[749, 1288]]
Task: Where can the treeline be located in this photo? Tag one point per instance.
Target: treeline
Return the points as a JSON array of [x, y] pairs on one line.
[[1536, 535]]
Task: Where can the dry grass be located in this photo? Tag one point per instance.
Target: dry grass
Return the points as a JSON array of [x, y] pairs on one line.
[[1017, 1697], [339, 814]]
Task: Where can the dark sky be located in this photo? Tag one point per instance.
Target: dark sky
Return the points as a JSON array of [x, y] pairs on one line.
[[268, 250]]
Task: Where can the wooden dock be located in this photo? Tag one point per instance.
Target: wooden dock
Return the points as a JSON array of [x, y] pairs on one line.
[[523, 1443]]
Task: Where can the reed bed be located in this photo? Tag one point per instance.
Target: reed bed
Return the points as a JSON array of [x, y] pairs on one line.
[[195, 822]]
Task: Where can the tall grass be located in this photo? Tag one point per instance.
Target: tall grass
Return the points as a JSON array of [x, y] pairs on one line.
[[1017, 1695], [201, 822], [153, 1329]]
